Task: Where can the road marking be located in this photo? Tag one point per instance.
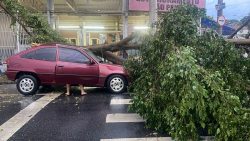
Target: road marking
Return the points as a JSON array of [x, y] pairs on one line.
[[140, 139], [8, 128], [119, 101], [119, 117], [3, 95]]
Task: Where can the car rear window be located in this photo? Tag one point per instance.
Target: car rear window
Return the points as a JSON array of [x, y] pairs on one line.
[[45, 54]]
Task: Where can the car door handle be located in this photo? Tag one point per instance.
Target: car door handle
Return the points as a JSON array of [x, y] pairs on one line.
[[60, 66]]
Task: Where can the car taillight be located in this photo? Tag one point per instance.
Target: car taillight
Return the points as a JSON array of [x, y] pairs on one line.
[[5, 64]]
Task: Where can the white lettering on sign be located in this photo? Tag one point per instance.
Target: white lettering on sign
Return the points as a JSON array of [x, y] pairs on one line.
[[163, 5]]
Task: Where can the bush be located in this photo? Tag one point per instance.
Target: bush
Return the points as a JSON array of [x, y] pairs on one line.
[[188, 85]]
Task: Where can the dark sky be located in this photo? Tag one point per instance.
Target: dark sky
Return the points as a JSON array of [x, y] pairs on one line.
[[235, 9]]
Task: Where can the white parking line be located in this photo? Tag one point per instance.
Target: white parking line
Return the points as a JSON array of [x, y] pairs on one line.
[[119, 117], [8, 128], [140, 139], [119, 101], [6, 95]]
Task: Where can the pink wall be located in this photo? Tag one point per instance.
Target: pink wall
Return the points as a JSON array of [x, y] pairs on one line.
[[163, 5]]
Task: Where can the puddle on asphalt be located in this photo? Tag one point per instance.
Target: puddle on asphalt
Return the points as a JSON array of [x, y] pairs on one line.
[[25, 102]]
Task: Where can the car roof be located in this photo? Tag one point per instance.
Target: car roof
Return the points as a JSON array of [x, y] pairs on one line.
[[61, 45]]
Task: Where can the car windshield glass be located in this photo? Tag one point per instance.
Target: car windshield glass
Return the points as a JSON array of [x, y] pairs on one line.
[[93, 55]]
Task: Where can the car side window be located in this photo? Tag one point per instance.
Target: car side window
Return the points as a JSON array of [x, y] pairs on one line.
[[29, 55], [46, 54], [72, 55]]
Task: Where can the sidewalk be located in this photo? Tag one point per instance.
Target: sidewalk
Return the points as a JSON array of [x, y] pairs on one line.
[[4, 80]]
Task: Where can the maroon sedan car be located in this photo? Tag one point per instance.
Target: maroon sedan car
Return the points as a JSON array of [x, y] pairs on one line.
[[57, 64]]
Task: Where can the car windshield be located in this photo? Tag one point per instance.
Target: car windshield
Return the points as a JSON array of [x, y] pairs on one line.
[[93, 55]]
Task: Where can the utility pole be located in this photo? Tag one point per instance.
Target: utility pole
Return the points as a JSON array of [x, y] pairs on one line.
[[219, 7]]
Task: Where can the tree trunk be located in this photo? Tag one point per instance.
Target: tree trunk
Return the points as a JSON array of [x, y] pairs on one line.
[[106, 50], [239, 41], [231, 36]]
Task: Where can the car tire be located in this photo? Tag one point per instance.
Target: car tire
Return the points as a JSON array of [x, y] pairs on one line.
[[116, 84], [27, 85]]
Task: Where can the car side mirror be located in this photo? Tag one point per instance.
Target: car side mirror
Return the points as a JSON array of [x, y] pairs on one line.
[[91, 62]]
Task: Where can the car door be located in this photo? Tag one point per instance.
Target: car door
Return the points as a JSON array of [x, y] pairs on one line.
[[74, 67]]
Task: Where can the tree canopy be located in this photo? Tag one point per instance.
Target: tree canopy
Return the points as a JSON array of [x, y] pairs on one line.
[[32, 22], [188, 85]]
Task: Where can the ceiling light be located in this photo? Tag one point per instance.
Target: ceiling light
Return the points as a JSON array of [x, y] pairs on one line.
[[140, 27], [69, 27], [93, 27]]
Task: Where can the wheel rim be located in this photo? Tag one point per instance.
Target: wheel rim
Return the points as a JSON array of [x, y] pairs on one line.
[[26, 85], [116, 84]]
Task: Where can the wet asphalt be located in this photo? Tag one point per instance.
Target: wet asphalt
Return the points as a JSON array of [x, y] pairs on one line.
[[75, 117]]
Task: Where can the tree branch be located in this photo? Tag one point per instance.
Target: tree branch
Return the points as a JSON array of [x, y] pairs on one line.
[[111, 57], [244, 24], [110, 47], [9, 13]]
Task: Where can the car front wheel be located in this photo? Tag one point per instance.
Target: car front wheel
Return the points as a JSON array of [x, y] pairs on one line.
[[116, 84], [27, 85]]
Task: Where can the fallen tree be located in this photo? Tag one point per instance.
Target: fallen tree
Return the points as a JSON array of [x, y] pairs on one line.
[[189, 86], [40, 32]]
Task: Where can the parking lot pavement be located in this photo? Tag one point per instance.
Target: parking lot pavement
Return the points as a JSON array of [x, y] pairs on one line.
[[8, 89], [97, 116], [11, 102]]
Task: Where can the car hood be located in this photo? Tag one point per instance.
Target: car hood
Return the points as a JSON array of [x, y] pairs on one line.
[[107, 69], [111, 66]]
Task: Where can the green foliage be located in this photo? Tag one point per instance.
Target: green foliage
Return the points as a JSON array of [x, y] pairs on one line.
[[41, 32], [189, 85]]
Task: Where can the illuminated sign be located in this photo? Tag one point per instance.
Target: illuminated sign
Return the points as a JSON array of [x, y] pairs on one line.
[[163, 5]]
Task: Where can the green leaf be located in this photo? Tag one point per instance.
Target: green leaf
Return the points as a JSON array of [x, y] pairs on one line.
[[218, 131]]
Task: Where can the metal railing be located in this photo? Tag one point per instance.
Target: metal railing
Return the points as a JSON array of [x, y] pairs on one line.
[[9, 35]]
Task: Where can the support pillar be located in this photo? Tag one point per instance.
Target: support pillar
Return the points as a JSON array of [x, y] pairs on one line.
[[125, 18], [81, 41], [117, 34], [82, 35], [153, 13], [87, 38], [50, 13], [125, 23], [17, 37]]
